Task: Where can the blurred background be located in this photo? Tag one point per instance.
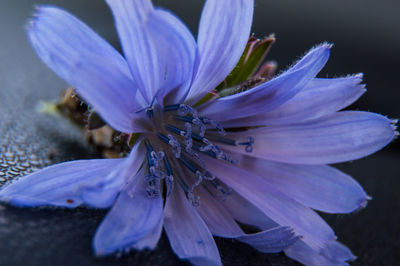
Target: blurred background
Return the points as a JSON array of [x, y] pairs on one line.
[[366, 34]]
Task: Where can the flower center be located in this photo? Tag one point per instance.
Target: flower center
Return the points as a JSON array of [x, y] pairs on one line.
[[174, 148]]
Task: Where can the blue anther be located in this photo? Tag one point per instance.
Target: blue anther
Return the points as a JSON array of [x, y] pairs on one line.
[[195, 200], [207, 152], [202, 129], [156, 157], [225, 193], [216, 125], [186, 109], [169, 183], [176, 147], [153, 188], [200, 177]]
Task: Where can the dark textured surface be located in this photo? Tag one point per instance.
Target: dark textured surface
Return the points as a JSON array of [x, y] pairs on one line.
[[367, 38]]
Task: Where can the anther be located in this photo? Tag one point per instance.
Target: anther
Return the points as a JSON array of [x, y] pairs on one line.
[[153, 188], [195, 200], [169, 183], [218, 186], [186, 109], [176, 147], [216, 125]]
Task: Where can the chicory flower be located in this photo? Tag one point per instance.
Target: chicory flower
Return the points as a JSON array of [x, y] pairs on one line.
[[198, 167]]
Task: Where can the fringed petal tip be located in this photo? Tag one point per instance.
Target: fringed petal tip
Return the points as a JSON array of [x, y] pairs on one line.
[[394, 125], [35, 16], [324, 47], [334, 254], [364, 203]]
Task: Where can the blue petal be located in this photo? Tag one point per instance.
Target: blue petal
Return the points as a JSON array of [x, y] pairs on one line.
[[271, 241], [217, 217], [221, 223], [88, 63], [223, 33], [62, 184], [335, 254], [187, 233], [245, 212], [319, 98], [317, 186], [160, 50], [340, 137], [133, 222], [116, 180], [269, 95], [274, 204], [92, 182]]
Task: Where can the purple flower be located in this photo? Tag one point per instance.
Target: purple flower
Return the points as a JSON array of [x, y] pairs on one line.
[[258, 157]]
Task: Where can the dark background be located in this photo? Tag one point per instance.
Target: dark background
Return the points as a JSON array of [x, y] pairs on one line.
[[366, 34]]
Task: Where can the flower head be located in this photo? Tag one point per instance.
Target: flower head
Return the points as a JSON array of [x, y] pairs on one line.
[[199, 163]]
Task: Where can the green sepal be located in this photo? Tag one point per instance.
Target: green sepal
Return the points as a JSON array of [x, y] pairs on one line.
[[206, 98], [134, 137], [252, 57]]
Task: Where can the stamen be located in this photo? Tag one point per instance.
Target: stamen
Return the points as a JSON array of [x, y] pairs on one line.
[[220, 188], [186, 109], [167, 166], [172, 107], [163, 137], [156, 157], [227, 141], [169, 179], [188, 137], [195, 121], [150, 112], [153, 188], [169, 183], [176, 147], [195, 200], [219, 154], [154, 176], [188, 165], [186, 119], [175, 130], [217, 126], [248, 144], [199, 176]]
